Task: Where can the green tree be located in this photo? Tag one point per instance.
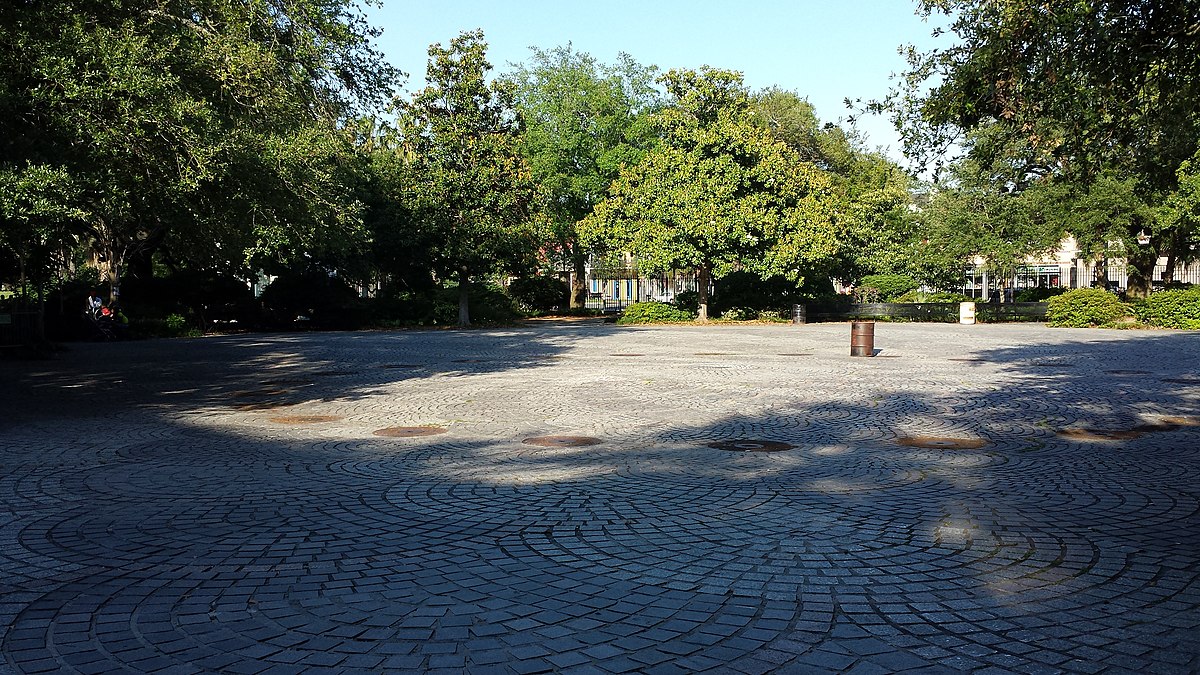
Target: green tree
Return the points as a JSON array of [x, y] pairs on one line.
[[717, 194], [1093, 94], [213, 125], [583, 122], [876, 231], [469, 189]]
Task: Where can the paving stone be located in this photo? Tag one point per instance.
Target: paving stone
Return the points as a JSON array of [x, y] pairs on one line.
[[210, 535]]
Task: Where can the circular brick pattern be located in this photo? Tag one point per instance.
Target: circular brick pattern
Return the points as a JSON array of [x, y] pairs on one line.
[[200, 537]]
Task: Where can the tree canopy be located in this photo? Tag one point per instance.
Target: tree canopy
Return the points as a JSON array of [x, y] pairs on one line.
[[718, 193]]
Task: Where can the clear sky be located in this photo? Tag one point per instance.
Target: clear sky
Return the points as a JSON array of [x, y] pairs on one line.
[[826, 50]]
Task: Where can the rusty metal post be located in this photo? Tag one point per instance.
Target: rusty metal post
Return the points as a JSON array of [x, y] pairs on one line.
[[862, 338]]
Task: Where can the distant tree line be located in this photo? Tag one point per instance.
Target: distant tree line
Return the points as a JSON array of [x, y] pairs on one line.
[[207, 141]]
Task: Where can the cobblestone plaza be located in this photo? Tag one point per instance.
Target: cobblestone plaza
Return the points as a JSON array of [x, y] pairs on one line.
[[578, 497]]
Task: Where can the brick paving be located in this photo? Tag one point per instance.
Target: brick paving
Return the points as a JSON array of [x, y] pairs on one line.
[[224, 504]]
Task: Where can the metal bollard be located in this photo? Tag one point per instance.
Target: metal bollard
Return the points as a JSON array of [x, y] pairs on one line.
[[862, 338], [799, 314]]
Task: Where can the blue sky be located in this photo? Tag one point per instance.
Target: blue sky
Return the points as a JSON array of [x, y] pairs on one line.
[[827, 50]]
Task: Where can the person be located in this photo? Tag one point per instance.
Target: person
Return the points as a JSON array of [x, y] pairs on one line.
[[94, 303]]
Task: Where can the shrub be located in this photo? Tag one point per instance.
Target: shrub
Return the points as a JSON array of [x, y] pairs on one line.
[[326, 301], [1039, 294], [748, 291], [439, 306], [739, 314], [688, 301], [540, 293], [890, 286], [934, 296], [654, 312], [1171, 309], [1084, 307]]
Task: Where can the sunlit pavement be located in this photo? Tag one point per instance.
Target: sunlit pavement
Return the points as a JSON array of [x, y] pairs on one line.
[[585, 498]]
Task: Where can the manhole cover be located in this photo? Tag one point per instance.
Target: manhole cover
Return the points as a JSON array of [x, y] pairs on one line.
[[1179, 421], [1127, 372], [288, 382], [400, 365], [258, 393], [263, 405], [1182, 380], [467, 361], [1100, 434], [713, 354], [1051, 365], [561, 441], [304, 419], [751, 446], [334, 373], [798, 354], [969, 360], [626, 354], [942, 442], [409, 432]]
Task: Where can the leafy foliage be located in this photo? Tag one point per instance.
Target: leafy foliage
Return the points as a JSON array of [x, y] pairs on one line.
[[934, 296], [889, 286], [1084, 307], [583, 121], [464, 182], [540, 293], [654, 312], [1171, 309], [717, 193], [323, 300]]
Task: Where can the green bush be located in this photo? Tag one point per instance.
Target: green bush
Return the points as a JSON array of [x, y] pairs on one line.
[[654, 312], [439, 306], [688, 301], [1084, 307], [889, 286], [934, 296], [540, 293], [1039, 294], [313, 297], [1171, 309], [747, 291]]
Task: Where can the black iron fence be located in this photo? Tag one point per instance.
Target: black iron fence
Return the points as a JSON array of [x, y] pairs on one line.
[[18, 328]]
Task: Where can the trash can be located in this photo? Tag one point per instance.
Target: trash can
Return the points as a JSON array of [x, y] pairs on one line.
[[966, 313], [799, 314], [862, 338]]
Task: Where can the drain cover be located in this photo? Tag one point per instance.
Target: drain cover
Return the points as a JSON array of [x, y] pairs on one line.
[[1100, 434], [1127, 372], [751, 446], [561, 441], [400, 365], [409, 432], [798, 354], [626, 354], [714, 354], [304, 419], [971, 359], [1182, 380], [468, 361], [942, 442], [258, 393]]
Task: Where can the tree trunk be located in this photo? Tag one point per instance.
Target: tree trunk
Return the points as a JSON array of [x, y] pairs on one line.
[[702, 281], [579, 289], [1141, 271], [1169, 273], [464, 312], [1101, 280]]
